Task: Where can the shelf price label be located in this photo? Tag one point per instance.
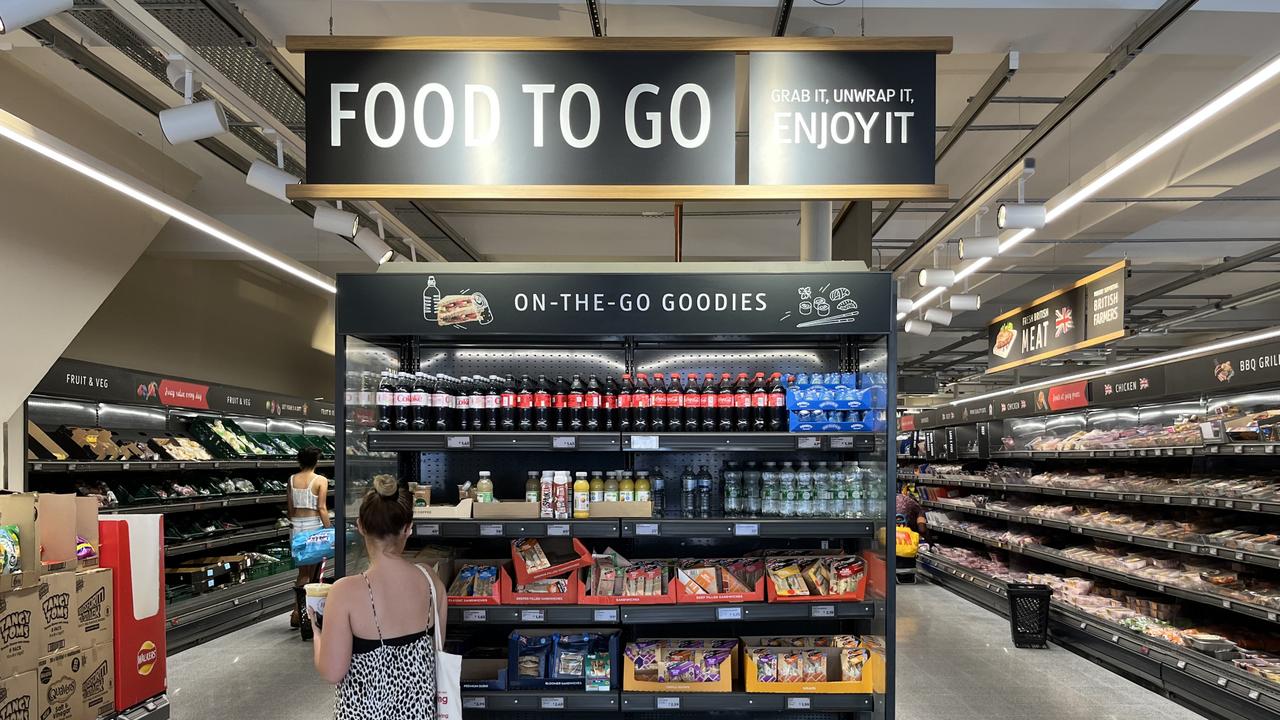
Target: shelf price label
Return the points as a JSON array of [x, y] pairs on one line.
[[475, 616], [458, 442], [533, 615], [427, 529], [474, 703], [746, 529], [647, 529], [666, 703], [491, 530], [552, 703], [564, 442], [822, 611], [729, 613], [609, 615], [558, 530], [799, 703], [644, 442], [841, 442], [808, 442]]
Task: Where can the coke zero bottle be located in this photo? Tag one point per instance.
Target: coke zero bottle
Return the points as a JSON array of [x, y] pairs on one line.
[[574, 405], [542, 415], [559, 404], [591, 403], [610, 400], [507, 405]]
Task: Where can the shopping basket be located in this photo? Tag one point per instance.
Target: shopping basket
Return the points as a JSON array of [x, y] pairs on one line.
[[1029, 614]]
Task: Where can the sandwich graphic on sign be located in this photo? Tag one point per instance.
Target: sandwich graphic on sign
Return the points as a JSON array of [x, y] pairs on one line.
[[1004, 340]]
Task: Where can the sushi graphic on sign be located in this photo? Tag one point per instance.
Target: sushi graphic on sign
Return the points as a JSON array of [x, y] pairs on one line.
[[824, 306]]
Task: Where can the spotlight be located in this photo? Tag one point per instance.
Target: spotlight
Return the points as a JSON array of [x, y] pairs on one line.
[[336, 221], [177, 71], [918, 327], [1022, 216], [979, 247], [270, 179], [962, 303], [196, 121], [905, 305], [17, 14], [937, 277], [372, 245], [938, 316]]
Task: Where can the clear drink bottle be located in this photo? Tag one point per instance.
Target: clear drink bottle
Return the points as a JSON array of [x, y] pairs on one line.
[[823, 498], [751, 490], [732, 477], [787, 491], [688, 493], [770, 492], [804, 490]]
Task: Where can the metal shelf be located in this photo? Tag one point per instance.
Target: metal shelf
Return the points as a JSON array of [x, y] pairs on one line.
[[224, 540], [461, 440], [1252, 449], [659, 614], [774, 703], [1190, 548], [471, 528], [756, 527], [531, 701], [195, 505], [157, 708], [748, 441], [1146, 498], [80, 466], [458, 440]]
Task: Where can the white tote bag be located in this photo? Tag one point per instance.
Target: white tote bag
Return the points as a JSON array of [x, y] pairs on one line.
[[448, 668]]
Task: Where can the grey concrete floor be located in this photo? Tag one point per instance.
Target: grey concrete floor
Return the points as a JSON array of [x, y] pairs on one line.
[[955, 662]]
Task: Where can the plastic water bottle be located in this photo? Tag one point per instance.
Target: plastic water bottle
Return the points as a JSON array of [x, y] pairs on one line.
[[823, 498], [751, 478], [770, 493], [732, 490], [873, 479], [789, 494], [839, 492], [688, 493], [804, 490], [852, 481]]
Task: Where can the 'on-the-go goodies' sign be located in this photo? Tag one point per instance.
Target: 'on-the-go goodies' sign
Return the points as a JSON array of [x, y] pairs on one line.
[[381, 114]]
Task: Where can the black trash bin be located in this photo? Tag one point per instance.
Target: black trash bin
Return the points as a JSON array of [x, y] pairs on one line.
[[1029, 614]]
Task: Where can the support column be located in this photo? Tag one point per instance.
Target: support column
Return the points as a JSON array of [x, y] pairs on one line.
[[851, 239], [815, 230]]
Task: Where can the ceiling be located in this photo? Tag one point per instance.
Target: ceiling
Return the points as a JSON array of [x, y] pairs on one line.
[[1225, 177]]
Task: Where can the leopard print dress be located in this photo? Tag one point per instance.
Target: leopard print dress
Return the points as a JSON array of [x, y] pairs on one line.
[[394, 681]]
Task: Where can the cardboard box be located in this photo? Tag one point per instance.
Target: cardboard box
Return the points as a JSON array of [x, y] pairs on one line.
[[834, 685], [642, 509], [516, 681], [20, 510], [42, 447], [94, 602], [506, 510], [565, 555], [56, 532], [58, 696], [57, 593], [18, 696], [21, 631], [87, 528], [461, 511], [728, 670], [96, 682]]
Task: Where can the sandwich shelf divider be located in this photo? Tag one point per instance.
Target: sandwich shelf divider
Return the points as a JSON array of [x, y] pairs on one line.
[[1155, 661]]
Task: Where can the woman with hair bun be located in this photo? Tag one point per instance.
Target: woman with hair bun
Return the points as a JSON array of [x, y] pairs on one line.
[[381, 627]]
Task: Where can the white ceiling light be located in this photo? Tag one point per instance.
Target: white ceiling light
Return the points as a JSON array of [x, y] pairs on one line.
[[17, 14], [372, 245], [270, 179], [196, 121], [1021, 216], [29, 136], [339, 222], [938, 316], [918, 327], [937, 277], [979, 247], [177, 71], [904, 305], [965, 303]]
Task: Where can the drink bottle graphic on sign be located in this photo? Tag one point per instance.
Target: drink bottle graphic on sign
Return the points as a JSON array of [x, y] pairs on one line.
[[431, 300]]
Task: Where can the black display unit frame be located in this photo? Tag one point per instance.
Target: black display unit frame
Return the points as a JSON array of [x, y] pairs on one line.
[[750, 318]]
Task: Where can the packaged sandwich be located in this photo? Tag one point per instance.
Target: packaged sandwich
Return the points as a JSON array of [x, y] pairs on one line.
[[817, 574], [846, 575], [532, 554], [569, 658], [852, 662], [766, 665], [791, 667], [815, 666], [532, 654], [550, 586], [786, 578]]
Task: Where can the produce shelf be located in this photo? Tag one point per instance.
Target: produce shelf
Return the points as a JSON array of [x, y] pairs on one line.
[[1201, 549], [182, 506], [1215, 685], [243, 536], [214, 613], [81, 466], [1049, 555], [659, 614], [1146, 498], [1243, 448]]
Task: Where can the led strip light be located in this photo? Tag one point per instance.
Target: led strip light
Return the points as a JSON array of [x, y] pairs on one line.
[[33, 138], [1237, 92]]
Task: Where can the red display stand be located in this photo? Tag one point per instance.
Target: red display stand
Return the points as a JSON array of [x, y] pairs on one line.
[[133, 547]]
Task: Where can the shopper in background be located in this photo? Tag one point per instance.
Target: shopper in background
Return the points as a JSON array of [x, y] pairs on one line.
[[377, 642], [909, 511], [308, 510]]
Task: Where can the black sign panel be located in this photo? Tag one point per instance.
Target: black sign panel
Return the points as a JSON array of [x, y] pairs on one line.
[[1016, 405], [1085, 314], [103, 383], [926, 419], [1245, 366], [522, 118], [977, 412], [842, 118], [1134, 386], [466, 305]]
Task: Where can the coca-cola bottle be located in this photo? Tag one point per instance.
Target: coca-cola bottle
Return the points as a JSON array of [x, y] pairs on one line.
[[692, 405], [741, 404], [477, 407], [640, 404], [724, 404], [462, 403], [384, 399], [592, 401], [507, 405], [524, 404], [710, 399], [778, 415], [543, 419], [625, 401], [559, 404], [759, 403], [402, 397], [575, 405], [675, 404], [658, 403], [439, 404], [419, 399], [492, 402], [610, 404]]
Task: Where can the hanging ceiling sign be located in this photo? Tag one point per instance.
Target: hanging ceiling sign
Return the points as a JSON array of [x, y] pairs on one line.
[[605, 118], [1089, 312]]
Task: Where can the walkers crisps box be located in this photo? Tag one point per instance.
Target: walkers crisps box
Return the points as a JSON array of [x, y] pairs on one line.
[[57, 592], [18, 696], [93, 607], [58, 694], [96, 682], [21, 631]]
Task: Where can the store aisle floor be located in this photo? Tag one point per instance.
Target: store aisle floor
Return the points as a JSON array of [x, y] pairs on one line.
[[956, 661]]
